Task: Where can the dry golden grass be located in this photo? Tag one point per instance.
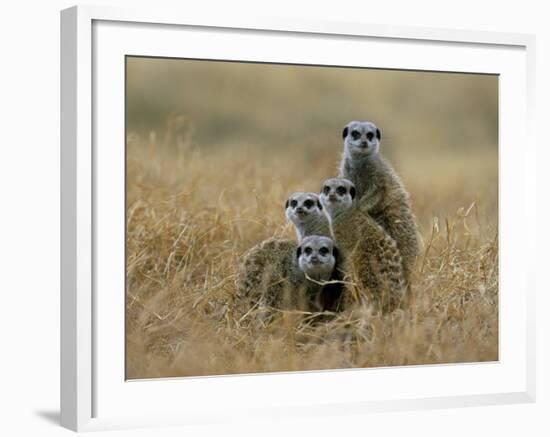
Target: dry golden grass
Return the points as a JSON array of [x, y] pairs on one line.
[[192, 213]]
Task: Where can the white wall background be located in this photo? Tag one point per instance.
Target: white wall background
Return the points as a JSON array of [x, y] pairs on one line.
[[29, 214]]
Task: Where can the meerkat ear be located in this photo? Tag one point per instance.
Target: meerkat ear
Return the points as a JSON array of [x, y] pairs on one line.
[[286, 204], [298, 252], [345, 132], [378, 134], [352, 192], [319, 204], [335, 252]]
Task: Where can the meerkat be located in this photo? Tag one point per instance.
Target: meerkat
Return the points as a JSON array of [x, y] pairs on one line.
[[305, 212], [370, 255], [379, 189], [286, 275], [319, 260]]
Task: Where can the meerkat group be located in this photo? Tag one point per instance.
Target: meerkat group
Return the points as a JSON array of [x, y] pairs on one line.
[[357, 236]]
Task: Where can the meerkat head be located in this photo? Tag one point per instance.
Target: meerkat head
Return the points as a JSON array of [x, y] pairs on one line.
[[317, 256], [337, 195], [303, 208], [361, 138]]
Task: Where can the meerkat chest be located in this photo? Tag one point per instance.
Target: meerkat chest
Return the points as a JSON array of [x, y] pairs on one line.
[[358, 173]]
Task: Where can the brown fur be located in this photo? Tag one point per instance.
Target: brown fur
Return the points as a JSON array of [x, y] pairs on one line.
[[371, 259], [385, 199], [268, 274]]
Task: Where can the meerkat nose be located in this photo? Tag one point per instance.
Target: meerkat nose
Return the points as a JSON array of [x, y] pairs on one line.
[[363, 144]]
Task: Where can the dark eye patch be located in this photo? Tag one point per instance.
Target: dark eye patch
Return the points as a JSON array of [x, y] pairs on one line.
[[309, 203], [355, 134], [324, 250], [370, 136], [308, 250], [326, 189], [341, 190], [345, 132], [293, 203]]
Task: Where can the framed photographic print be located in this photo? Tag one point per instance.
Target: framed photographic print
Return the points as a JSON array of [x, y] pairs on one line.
[[269, 218]]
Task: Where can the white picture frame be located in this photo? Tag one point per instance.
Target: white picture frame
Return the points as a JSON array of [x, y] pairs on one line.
[[94, 394]]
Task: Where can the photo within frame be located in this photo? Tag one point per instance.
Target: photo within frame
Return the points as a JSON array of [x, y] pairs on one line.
[[294, 217]]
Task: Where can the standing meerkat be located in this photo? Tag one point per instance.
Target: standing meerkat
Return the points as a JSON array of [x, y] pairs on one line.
[[369, 254], [305, 212], [380, 192]]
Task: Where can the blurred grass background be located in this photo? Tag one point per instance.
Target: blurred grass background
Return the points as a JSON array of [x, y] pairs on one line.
[[215, 148], [271, 105], [444, 122]]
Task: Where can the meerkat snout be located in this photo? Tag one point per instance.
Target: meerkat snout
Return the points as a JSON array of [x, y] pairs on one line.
[[361, 137]]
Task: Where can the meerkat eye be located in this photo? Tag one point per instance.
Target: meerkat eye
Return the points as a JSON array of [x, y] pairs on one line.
[[326, 189], [308, 203], [370, 136], [341, 190], [355, 134], [324, 250], [308, 250], [293, 203]]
